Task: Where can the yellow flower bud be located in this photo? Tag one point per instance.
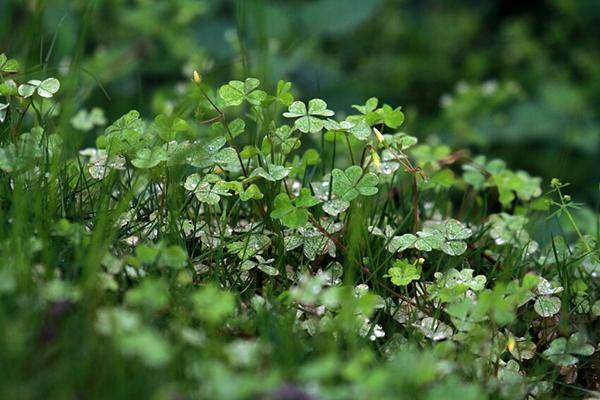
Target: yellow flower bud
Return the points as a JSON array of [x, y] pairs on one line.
[[510, 345], [378, 134], [197, 77]]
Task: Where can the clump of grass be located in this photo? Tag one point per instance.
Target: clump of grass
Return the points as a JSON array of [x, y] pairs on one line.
[[250, 237]]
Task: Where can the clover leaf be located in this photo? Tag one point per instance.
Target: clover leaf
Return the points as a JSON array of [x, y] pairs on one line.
[[9, 66], [85, 120], [336, 206], [454, 278], [293, 214], [262, 264], [146, 158], [205, 191], [283, 137], [351, 183], [274, 172], [235, 92], [312, 240], [46, 88], [252, 192], [167, 128], [547, 306], [403, 273], [392, 117], [250, 246], [563, 352], [307, 120]]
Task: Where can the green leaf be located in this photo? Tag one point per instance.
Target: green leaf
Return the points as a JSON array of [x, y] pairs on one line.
[[274, 173], [235, 92], [290, 215], [307, 120], [403, 273], [578, 345], [48, 87], [547, 306], [212, 305], [85, 121], [168, 127], [146, 158], [174, 257], [205, 191], [351, 183], [429, 240], [252, 192], [392, 117], [9, 66], [336, 206]]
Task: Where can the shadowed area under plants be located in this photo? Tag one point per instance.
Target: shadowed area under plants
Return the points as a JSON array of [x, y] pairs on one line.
[[248, 244]]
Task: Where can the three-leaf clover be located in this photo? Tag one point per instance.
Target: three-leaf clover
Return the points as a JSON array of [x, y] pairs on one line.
[[146, 158], [307, 119], [208, 190], [235, 92], [403, 273], [262, 264], [167, 128], [352, 182], [7, 65], [46, 88], [293, 213], [312, 240], [563, 352], [85, 120], [273, 173]]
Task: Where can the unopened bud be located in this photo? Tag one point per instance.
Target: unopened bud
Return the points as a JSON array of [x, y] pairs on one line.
[[378, 134], [197, 77]]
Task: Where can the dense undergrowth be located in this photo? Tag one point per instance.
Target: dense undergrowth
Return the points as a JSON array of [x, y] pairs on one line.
[[251, 245]]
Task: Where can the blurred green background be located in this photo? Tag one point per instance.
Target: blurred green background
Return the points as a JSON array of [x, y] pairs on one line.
[[512, 79]]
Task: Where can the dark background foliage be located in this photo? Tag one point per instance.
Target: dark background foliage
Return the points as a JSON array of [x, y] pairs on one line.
[[513, 79]]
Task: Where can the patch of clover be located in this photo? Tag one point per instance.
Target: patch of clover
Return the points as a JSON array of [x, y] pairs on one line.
[[564, 352], [308, 119], [448, 237], [506, 229], [313, 242]]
